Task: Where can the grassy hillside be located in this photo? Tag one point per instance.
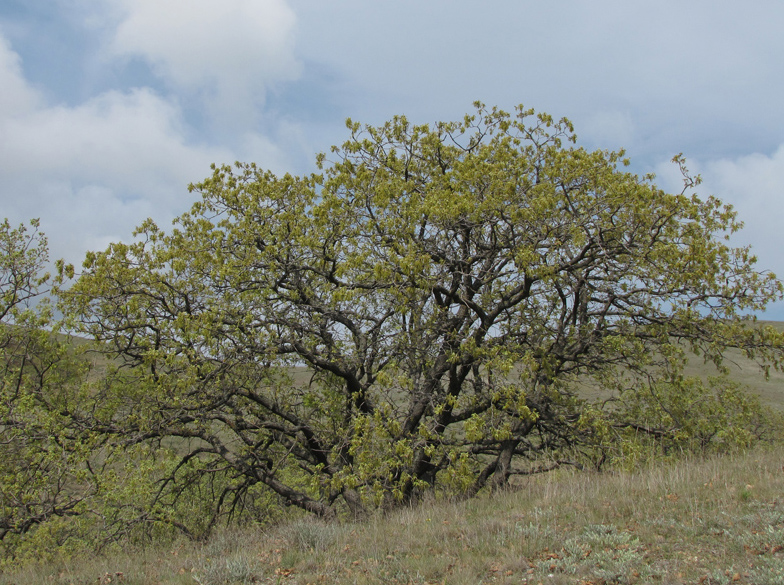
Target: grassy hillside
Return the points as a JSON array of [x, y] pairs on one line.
[[712, 521], [742, 370], [770, 391]]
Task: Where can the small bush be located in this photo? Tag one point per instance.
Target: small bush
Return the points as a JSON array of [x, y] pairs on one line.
[[310, 536], [238, 568]]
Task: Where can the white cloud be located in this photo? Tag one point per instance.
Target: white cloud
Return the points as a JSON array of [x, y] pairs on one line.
[[94, 171], [131, 140], [231, 51], [752, 184], [15, 97]]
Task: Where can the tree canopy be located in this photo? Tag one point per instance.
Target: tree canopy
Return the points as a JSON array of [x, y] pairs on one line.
[[438, 307]]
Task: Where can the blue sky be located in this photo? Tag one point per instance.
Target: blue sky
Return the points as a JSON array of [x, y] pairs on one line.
[[109, 108]]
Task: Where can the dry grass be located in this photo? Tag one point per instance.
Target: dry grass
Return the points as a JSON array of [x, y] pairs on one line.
[[712, 521]]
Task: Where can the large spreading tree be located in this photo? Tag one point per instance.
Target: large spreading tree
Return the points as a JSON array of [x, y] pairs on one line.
[[439, 307]]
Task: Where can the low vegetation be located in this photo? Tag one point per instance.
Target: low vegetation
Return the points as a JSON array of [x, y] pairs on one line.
[[714, 521]]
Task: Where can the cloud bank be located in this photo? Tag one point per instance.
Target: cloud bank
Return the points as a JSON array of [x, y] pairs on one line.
[[94, 171], [230, 52]]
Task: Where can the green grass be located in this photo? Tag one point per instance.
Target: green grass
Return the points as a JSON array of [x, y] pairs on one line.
[[719, 520]]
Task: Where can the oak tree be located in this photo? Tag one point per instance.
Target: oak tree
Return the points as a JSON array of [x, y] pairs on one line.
[[437, 307]]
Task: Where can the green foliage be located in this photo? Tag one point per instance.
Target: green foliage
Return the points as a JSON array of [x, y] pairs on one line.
[[447, 287], [602, 551], [44, 472], [728, 417]]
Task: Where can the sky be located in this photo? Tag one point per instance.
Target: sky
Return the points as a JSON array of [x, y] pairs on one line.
[[110, 108]]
